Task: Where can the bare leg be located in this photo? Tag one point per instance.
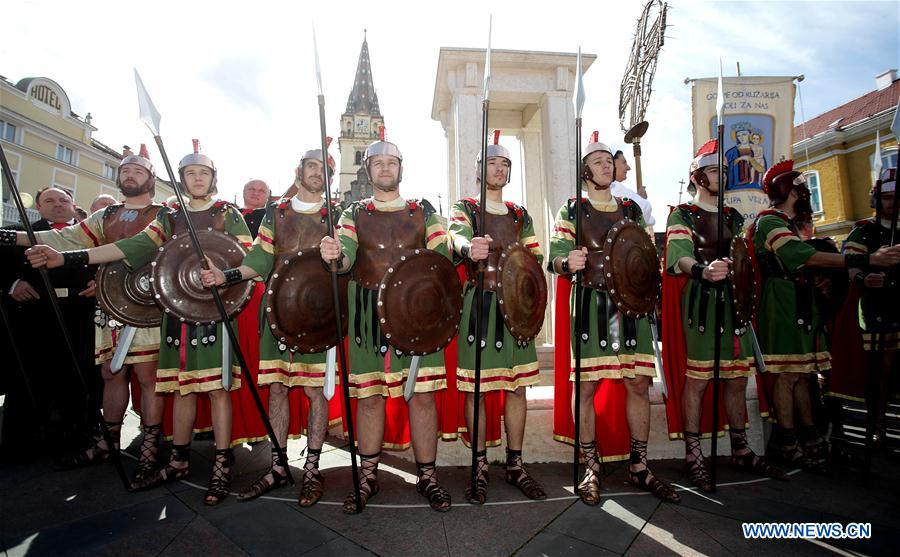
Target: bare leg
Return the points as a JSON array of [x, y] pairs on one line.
[[470, 417], [370, 432], [514, 414], [279, 417], [638, 413], [694, 390], [313, 483]]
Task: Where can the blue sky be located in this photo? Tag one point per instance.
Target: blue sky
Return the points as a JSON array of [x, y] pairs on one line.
[[241, 79]]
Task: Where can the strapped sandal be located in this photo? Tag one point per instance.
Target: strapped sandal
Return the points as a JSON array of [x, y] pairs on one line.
[[589, 488], [516, 475], [698, 474], [262, 485], [644, 479], [96, 453], [755, 464], [147, 467], [368, 484], [481, 481], [428, 487], [313, 488], [220, 482], [787, 455], [169, 473], [815, 457]]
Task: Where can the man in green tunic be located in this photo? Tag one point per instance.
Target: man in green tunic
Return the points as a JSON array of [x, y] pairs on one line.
[[190, 358], [506, 364], [788, 323], [289, 225], [373, 234], [692, 255], [613, 345], [879, 303]]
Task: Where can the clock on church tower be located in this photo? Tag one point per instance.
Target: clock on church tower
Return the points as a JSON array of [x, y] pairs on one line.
[[362, 126]]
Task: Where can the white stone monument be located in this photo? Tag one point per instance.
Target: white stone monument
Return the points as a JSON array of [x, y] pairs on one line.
[[530, 99]]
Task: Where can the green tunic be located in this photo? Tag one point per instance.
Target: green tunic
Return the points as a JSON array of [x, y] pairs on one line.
[[699, 332], [878, 309], [511, 365], [278, 364], [373, 373], [192, 366], [604, 355], [788, 324]]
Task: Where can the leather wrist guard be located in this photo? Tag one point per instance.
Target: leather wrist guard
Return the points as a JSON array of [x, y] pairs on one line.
[[860, 277], [232, 276], [857, 260], [7, 237], [75, 258], [697, 270], [565, 266], [466, 251]]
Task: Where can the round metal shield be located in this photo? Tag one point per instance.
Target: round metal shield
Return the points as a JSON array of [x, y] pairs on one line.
[[420, 302], [175, 277], [126, 296], [521, 291], [743, 282], [631, 267], [300, 304]]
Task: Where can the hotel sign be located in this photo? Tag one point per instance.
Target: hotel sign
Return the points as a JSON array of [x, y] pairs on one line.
[[46, 95]]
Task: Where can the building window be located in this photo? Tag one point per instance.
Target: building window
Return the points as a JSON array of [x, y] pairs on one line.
[[357, 158], [812, 182], [109, 172], [63, 154], [7, 131], [888, 160]]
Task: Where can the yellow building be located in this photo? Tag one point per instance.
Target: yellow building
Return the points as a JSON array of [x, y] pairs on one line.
[[836, 152], [47, 144]]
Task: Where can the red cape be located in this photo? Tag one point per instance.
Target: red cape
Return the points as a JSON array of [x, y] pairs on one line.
[[847, 378], [612, 434], [675, 362]]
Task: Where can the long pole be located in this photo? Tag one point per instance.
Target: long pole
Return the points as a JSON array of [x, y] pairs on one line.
[[479, 297], [335, 291], [579, 293], [335, 294], [54, 302], [226, 322], [720, 307]]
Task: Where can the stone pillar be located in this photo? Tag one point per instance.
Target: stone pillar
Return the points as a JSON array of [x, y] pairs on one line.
[[558, 143], [535, 198], [467, 133]]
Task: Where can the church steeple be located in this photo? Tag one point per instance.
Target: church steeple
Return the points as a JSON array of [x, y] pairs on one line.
[[363, 99]]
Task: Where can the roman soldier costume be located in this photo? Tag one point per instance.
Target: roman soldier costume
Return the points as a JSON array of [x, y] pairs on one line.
[[511, 318]]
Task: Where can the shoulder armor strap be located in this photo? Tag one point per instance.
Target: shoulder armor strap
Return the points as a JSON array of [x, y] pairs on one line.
[[111, 210], [427, 208]]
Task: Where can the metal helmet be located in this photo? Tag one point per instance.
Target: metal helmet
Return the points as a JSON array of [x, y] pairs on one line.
[[316, 154], [382, 147], [594, 145], [707, 155], [143, 160], [780, 180], [496, 150], [888, 180], [198, 158]]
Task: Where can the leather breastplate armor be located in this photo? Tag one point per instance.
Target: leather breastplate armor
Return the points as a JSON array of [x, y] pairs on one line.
[[705, 224], [383, 236], [503, 230], [595, 226], [120, 222], [298, 231]]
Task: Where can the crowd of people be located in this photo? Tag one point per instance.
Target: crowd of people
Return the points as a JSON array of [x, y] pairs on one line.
[[182, 378]]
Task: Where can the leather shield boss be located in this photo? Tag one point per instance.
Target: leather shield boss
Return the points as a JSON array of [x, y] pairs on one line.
[[126, 296], [175, 277], [522, 292], [420, 302], [300, 302], [743, 282], [631, 268]]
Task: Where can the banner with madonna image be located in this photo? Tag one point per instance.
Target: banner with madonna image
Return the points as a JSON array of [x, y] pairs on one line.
[[759, 123]]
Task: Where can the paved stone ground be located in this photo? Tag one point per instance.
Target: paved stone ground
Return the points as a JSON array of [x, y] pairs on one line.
[[81, 512]]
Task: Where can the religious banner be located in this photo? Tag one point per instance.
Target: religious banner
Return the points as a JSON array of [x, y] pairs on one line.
[[759, 122]]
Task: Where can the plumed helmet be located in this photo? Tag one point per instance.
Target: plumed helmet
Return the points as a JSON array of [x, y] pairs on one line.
[[494, 149], [142, 159], [198, 158], [594, 145], [780, 180], [316, 154], [888, 181]]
